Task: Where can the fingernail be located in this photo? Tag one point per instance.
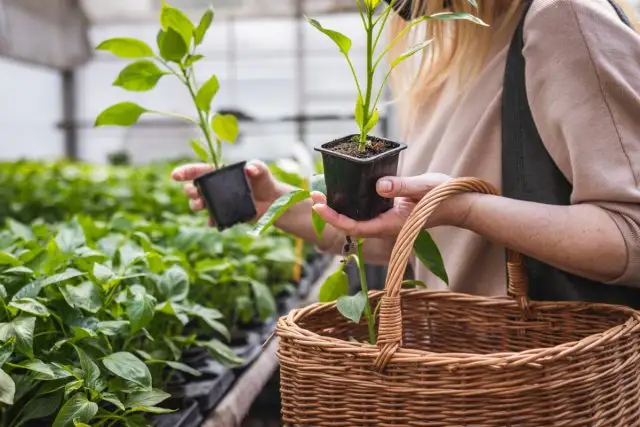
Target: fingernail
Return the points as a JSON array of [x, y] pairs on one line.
[[385, 185], [252, 170]]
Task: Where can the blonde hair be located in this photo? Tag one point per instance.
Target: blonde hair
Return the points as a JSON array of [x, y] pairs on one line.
[[458, 48]]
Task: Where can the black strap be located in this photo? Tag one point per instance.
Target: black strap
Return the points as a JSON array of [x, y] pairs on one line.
[[529, 173]]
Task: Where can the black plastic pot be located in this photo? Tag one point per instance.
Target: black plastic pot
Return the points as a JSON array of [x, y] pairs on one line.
[[246, 345], [227, 194], [188, 417], [263, 329], [351, 181]]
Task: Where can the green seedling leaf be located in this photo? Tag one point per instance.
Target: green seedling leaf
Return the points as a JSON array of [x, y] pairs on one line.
[[210, 316], [90, 370], [371, 4], [126, 48], [20, 230], [73, 386], [343, 42], [68, 274], [112, 398], [457, 16], [220, 352], [141, 76], [38, 408], [85, 296], [6, 350], [336, 286], [414, 284], [112, 328], [192, 59], [428, 253], [205, 95], [173, 18], [200, 151], [183, 368], [203, 26], [122, 114], [319, 224], [146, 398], [127, 366], [30, 290], [151, 410], [373, 121], [7, 388], [19, 270], [31, 306], [102, 273], [359, 112], [408, 54], [173, 285], [265, 303], [225, 127], [70, 237], [352, 307], [38, 366], [21, 328], [175, 310], [278, 208], [8, 259], [140, 308], [171, 45], [130, 253], [76, 409]]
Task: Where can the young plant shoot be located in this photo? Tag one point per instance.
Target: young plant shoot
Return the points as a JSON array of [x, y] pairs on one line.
[[348, 178]]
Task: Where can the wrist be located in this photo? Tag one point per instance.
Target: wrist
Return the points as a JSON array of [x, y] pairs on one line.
[[459, 209]]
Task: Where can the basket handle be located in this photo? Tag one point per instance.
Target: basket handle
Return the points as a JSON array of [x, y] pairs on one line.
[[390, 324]]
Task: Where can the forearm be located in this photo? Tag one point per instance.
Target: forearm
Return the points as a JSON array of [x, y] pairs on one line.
[[581, 239]]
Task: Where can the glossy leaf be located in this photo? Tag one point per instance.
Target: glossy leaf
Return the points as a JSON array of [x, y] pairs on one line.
[[112, 398], [127, 366], [183, 368], [37, 408], [112, 328], [78, 408], [173, 284], [126, 48], [319, 224], [343, 42], [19, 229], [428, 253], [359, 112], [8, 259], [31, 306], [146, 398], [458, 16], [90, 370], [122, 114], [265, 303], [412, 51], [192, 59], [173, 18], [205, 95], [130, 253], [102, 273], [140, 76], [225, 126], [200, 151], [336, 286], [203, 26], [22, 329], [373, 121], [220, 352], [151, 410], [171, 45], [6, 349], [68, 274], [278, 208], [140, 308], [85, 296], [352, 307], [7, 388]]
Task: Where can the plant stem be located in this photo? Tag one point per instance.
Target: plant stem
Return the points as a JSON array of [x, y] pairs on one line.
[[371, 321], [204, 125], [367, 100]]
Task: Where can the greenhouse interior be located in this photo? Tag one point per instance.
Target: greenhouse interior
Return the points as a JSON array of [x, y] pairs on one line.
[[120, 305]]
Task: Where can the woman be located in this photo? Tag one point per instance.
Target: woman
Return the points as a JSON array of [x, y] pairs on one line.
[[583, 87]]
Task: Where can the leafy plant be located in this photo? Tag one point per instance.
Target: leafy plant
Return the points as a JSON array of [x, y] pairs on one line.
[[177, 43], [366, 110]]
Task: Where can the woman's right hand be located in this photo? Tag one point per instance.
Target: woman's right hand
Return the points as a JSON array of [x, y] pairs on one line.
[[266, 189]]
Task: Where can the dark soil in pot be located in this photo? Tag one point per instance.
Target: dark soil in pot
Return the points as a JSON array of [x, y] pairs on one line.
[[190, 416], [351, 175], [227, 195]]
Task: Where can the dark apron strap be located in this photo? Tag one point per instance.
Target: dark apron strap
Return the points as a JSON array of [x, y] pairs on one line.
[[529, 173]]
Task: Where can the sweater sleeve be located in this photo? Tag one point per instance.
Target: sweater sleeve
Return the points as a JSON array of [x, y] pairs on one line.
[[583, 84]]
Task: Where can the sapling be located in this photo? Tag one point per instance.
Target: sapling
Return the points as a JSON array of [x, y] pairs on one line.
[[351, 174], [177, 42]]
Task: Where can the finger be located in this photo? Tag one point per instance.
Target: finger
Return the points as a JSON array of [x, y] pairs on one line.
[[196, 205], [256, 169], [318, 198], [212, 223], [191, 191], [191, 171], [372, 228], [413, 187]]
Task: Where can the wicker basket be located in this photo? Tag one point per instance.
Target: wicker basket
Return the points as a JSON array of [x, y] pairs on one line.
[[448, 359]]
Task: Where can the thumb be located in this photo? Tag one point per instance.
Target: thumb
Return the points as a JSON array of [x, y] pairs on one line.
[[257, 170], [190, 172], [414, 187]]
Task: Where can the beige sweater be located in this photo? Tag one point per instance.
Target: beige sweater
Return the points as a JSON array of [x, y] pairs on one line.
[[583, 81]]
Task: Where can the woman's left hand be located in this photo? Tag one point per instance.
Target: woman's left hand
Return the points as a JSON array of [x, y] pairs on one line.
[[406, 191]]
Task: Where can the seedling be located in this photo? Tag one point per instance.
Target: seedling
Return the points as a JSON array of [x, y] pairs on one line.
[[177, 42]]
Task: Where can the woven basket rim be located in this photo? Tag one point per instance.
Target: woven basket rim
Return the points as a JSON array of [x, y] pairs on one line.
[[287, 327]]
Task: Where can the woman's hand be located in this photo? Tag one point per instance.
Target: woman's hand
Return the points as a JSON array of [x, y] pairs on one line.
[[266, 189], [406, 191]]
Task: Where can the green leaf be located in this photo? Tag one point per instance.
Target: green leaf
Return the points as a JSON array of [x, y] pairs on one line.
[[173, 18], [183, 368], [112, 398], [428, 253], [22, 329], [102, 273], [31, 306], [122, 114], [30, 290], [8, 259], [85, 296], [140, 308], [203, 26], [225, 127], [68, 274], [7, 388], [174, 310], [70, 236], [414, 284], [76, 409], [359, 112], [73, 386], [373, 121], [140, 76], [172, 46], [200, 151], [318, 223], [412, 51], [205, 95], [220, 352], [37, 365], [19, 229], [112, 328], [371, 4], [90, 370], [343, 42], [210, 317], [19, 270], [151, 410], [457, 16], [127, 366], [126, 48], [37, 408], [278, 208], [6, 350], [352, 307], [173, 285], [265, 303], [336, 286], [146, 398], [192, 59]]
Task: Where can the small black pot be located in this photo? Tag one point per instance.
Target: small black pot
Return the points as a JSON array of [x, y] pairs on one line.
[[245, 345], [188, 417], [351, 181], [227, 194]]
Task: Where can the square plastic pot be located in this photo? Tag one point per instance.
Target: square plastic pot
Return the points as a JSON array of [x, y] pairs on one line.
[[227, 195], [190, 416], [351, 181]]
